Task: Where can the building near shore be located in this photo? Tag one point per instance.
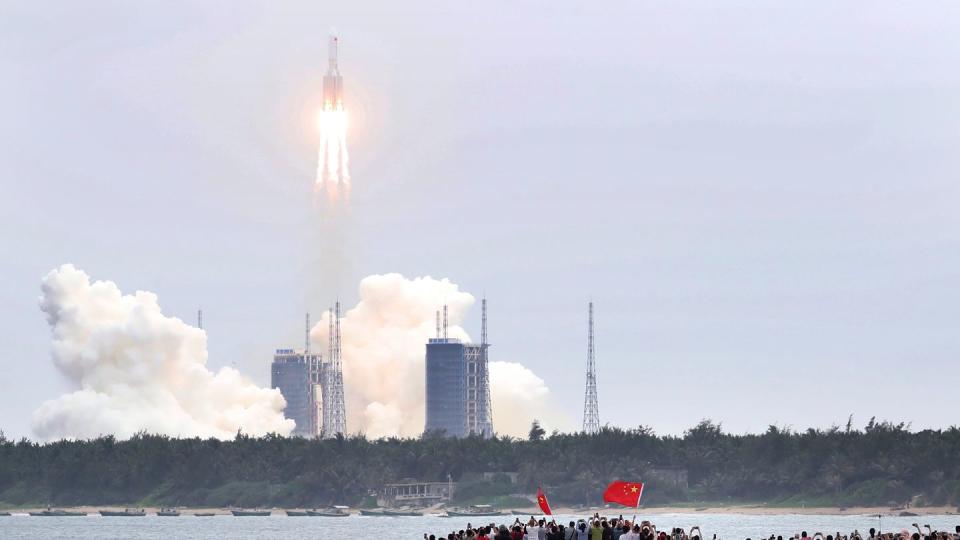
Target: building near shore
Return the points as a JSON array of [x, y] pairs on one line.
[[458, 384], [410, 492]]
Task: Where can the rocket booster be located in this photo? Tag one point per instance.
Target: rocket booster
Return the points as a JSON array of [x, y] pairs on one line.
[[332, 81]]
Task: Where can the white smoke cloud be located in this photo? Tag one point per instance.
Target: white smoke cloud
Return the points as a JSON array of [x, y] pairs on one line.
[[383, 344], [519, 396], [137, 369]]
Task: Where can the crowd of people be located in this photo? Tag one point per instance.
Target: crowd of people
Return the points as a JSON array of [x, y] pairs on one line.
[[599, 528]]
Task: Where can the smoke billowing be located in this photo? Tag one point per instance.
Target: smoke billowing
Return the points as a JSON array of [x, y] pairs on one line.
[[383, 343], [136, 369]]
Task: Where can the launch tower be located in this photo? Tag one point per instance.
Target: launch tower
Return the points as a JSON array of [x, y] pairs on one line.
[[334, 408], [591, 411]]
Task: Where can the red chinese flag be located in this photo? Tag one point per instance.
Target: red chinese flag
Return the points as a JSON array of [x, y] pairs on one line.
[[625, 493], [542, 501]]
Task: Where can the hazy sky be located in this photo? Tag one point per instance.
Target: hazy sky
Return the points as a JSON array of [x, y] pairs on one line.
[[762, 198]]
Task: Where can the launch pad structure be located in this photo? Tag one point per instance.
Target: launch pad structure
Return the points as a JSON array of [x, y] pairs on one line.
[[458, 383], [334, 407], [313, 386]]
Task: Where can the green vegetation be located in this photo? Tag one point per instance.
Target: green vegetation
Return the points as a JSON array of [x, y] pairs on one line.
[[882, 464]]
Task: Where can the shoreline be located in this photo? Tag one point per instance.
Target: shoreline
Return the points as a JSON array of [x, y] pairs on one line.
[[764, 510], [745, 509]]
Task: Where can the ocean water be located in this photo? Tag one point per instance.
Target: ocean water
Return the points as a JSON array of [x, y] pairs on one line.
[[221, 527]]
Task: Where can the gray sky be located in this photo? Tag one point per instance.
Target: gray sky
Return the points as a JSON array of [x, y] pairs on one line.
[[761, 197]]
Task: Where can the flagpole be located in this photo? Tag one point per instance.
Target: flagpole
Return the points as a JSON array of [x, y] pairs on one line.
[[639, 496]]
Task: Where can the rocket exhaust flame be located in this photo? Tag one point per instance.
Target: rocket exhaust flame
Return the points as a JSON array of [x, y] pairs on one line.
[[333, 171]]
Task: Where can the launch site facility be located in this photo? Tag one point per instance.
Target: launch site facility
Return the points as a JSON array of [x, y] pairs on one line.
[[457, 376]]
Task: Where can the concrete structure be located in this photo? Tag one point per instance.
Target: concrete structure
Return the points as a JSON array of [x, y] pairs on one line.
[[297, 374], [446, 369], [458, 384], [413, 493]]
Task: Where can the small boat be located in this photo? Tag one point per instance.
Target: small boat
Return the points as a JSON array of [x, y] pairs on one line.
[[205, 514], [125, 513], [168, 512], [4, 514], [372, 512], [400, 512], [49, 512], [519, 513], [476, 510], [250, 513], [297, 513], [336, 511]]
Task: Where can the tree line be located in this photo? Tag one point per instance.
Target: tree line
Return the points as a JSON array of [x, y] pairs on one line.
[[880, 464]]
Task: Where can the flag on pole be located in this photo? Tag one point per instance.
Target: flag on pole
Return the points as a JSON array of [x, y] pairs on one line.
[[625, 493], [542, 501]]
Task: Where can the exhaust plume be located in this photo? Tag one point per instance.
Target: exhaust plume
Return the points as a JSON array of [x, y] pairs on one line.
[[138, 370], [333, 162], [383, 343]]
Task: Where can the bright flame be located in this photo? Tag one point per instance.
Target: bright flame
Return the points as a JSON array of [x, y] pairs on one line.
[[333, 171]]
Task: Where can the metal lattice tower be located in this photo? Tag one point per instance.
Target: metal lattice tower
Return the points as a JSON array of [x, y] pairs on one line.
[[483, 322], [339, 407], [438, 324], [330, 335], [486, 422], [334, 411], [306, 341], [477, 387], [327, 427], [200, 319], [444, 321], [591, 411]]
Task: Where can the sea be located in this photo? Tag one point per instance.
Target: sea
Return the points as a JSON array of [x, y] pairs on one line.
[[279, 526]]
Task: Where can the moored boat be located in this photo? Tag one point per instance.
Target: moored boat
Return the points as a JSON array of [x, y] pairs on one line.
[[168, 512], [336, 511], [476, 510], [297, 513], [126, 512], [49, 512], [372, 512], [250, 513], [399, 512], [205, 514]]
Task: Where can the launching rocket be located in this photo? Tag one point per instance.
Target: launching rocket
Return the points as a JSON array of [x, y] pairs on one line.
[[333, 170], [332, 81]]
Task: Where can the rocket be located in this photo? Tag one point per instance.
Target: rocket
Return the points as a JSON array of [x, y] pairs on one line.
[[332, 160], [332, 81]]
